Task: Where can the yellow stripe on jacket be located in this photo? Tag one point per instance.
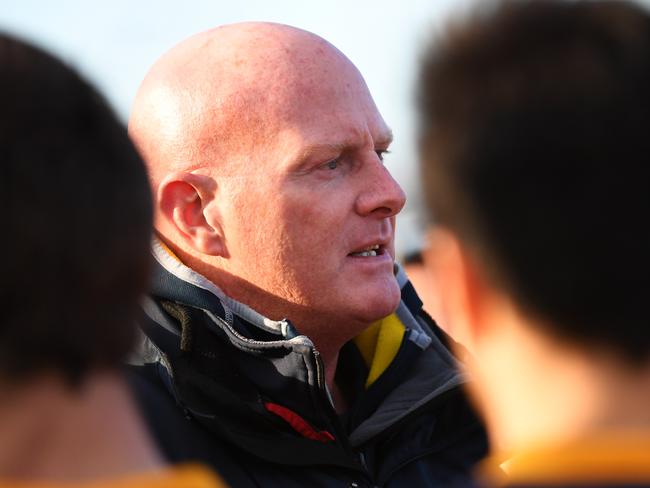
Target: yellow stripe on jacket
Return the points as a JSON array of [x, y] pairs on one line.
[[379, 344]]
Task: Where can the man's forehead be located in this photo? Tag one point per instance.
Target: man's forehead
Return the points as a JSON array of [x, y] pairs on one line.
[[286, 80]]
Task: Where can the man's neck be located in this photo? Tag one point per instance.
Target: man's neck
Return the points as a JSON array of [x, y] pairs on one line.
[[47, 428], [339, 399], [575, 393]]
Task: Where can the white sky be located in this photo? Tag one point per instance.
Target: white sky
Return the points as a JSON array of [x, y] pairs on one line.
[[114, 43]]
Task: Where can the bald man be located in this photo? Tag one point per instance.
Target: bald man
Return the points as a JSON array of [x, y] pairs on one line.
[[283, 344]]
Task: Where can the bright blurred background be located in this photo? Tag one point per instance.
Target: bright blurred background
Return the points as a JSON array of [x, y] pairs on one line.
[[114, 44]]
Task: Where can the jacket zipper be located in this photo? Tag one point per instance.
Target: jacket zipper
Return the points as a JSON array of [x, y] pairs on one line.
[[320, 376], [324, 390]]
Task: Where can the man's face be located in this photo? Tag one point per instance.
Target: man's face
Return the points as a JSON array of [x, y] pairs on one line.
[[310, 220]]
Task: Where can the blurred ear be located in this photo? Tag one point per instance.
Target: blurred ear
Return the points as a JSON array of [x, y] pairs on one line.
[[183, 199], [460, 284]]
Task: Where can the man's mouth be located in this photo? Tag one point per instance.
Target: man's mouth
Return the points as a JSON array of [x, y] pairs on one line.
[[369, 251]]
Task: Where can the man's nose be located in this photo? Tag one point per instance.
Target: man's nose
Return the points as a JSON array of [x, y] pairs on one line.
[[381, 195]]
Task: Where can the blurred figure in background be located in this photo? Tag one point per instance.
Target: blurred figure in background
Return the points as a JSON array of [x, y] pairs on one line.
[[76, 233], [424, 282], [536, 161]]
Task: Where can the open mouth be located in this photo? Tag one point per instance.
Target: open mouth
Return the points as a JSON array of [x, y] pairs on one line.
[[370, 251]]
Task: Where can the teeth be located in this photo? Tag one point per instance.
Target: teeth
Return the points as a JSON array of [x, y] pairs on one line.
[[368, 251]]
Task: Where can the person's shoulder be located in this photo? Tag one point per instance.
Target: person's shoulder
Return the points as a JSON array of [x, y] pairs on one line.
[[182, 476]]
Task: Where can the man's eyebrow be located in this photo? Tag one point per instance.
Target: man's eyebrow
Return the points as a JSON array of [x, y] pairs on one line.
[[320, 148], [384, 139]]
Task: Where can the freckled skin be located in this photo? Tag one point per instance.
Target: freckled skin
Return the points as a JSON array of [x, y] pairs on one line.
[[250, 102]]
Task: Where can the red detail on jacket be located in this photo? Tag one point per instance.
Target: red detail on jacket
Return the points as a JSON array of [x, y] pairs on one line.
[[299, 424]]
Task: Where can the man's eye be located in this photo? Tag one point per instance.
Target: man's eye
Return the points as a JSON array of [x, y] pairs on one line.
[[381, 153], [333, 164]]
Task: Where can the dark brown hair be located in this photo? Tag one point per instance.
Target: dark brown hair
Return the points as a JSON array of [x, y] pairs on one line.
[[76, 221], [535, 148]]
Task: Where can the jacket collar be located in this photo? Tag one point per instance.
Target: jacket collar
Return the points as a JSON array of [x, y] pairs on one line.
[[194, 289]]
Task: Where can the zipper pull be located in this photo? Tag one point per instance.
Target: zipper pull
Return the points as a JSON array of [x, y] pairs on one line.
[[320, 377]]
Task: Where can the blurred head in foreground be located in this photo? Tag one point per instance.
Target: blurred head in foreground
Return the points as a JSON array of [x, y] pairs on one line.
[[536, 162], [77, 223], [76, 232]]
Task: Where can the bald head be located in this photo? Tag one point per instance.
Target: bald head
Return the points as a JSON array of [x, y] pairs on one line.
[[220, 94]]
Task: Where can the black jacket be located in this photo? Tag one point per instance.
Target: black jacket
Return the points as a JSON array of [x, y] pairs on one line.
[[219, 383]]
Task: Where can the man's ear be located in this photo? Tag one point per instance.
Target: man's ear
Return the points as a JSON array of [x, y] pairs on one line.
[[460, 284], [183, 199]]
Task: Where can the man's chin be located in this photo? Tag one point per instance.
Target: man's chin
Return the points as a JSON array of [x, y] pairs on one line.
[[377, 308]]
